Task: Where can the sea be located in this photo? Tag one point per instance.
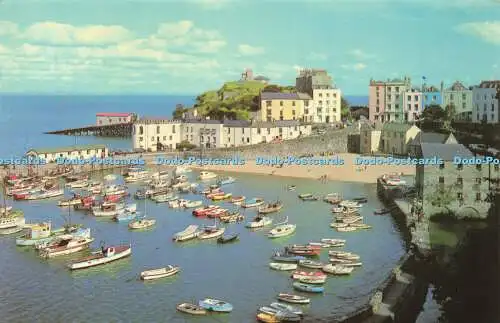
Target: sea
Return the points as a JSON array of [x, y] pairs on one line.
[[24, 118]]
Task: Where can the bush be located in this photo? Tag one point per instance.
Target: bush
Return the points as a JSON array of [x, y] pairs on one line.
[[185, 145]]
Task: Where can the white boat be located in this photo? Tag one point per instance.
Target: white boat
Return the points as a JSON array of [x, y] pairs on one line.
[[282, 266], [181, 170], [334, 242], [8, 222], [177, 203], [345, 262], [338, 225], [136, 175], [361, 226], [346, 229], [337, 269], [210, 232], [207, 175], [351, 219], [161, 175], [282, 230], [108, 209], [350, 204], [114, 189], [286, 308], [45, 194], [104, 256], [294, 299], [5, 209], [319, 244], [344, 255], [192, 204], [77, 184], [189, 233], [160, 273], [11, 230], [70, 202], [110, 177], [141, 224], [181, 178], [165, 198], [66, 245], [259, 222]]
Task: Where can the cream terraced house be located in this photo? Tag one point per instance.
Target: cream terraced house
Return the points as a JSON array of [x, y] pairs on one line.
[[396, 138], [70, 152], [370, 137], [155, 134]]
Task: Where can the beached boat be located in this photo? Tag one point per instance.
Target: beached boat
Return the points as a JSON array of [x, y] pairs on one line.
[[294, 299], [228, 238], [226, 181], [307, 274], [104, 256], [271, 207], [206, 175], [282, 230], [286, 308], [282, 266], [311, 264], [220, 197], [259, 222], [192, 309], [308, 288], [66, 245], [202, 211], [141, 223], [192, 204], [210, 232], [252, 203], [188, 233], [337, 269], [267, 318], [308, 197], [160, 272], [237, 200], [215, 305]]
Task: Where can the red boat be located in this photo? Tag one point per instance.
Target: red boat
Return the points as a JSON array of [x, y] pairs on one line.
[[202, 211], [303, 246], [305, 252], [114, 197], [217, 213], [307, 274]]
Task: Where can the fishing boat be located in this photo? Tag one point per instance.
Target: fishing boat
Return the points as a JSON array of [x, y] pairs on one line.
[[259, 222], [252, 203], [282, 266], [344, 255], [309, 251], [125, 216], [282, 230], [228, 238], [271, 207], [77, 184], [308, 197], [311, 264], [337, 269], [192, 309], [312, 280], [12, 219], [189, 233], [286, 308], [192, 204], [211, 189], [108, 209], [334, 242], [232, 217], [36, 234], [308, 288], [45, 194], [101, 257], [206, 175], [346, 229], [226, 181], [160, 272], [350, 219], [136, 174], [141, 223], [66, 245], [307, 274], [287, 258], [220, 197], [210, 232], [237, 200], [339, 209], [202, 211], [215, 305], [294, 299], [279, 315], [267, 318]]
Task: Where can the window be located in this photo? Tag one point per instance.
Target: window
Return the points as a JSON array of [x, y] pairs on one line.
[[409, 106], [214, 139], [409, 97], [492, 107], [496, 167], [202, 139], [248, 140], [397, 88], [460, 166], [170, 138], [141, 130], [191, 137], [293, 103], [460, 181], [451, 97], [242, 130], [479, 167], [229, 130], [157, 129], [478, 196], [327, 95], [460, 196], [441, 166], [320, 95], [320, 102], [229, 139], [164, 137], [478, 181], [306, 103], [416, 97], [293, 112], [434, 98], [141, 139], [258, 131], [281, 103], [441, 180], [173, 128], [464, 96], [268, 103], [268, 131]]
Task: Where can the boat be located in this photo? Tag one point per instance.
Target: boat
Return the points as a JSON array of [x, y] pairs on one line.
[[206, 175], [211, 190], [37, 233], [160, 272], [202, 211], [215, 305], [289, 259], [393, 180], [66, 245], [108, 209], [346, 262], [142, 223], [5, 209], [71, 202], [210, 232], [294, 299], [332, 198], [346, 229], [337, 269], [338, 225], [192, 204], [334, 242], [308, 288], [286, 308], [360, 226], [192, 309], [313, 280], [232, 217], [11, 230], [282, 230], [291, 187], [267, 318], [110, 177], [307, 274], [12, 219], [189, 233], [344, 255], [339, 209], [308, 197], [271, 207], [310, 251], [45, 194], [382, 211], [226, 180], [221, 197], [237, 200], [178, 203], [360, 199], [217, 213], [259, 222], [311, 264], [136, 174], [229, 238], [350, 204], [165, 198], [282, 266], [351, 219], [104, 256], [252, 202], [181, 170], [319, 244], [77, 184], [125, 216]]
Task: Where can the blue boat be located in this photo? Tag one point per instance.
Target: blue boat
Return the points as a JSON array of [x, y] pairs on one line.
[[226, 181], [308, 288], [215, 305], [125, 217]]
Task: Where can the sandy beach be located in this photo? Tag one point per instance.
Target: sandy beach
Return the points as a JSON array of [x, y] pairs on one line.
[[349, 172]]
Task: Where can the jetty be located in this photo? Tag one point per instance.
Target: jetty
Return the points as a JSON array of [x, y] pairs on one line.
[[111, 130]]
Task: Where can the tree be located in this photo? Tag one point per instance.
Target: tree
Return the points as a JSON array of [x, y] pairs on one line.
[[272, 88], [344, 108], [434, 112], [179, 111]]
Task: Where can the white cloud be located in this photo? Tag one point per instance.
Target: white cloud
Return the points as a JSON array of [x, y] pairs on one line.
[[354, 67], [4, 50], [55, 33], [488, 31], [8, 28], [358, 53], [213, 4], [248, 50], [313, 56]]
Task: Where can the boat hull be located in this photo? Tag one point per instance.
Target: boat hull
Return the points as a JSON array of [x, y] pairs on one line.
[[66, 251], [99, 261]]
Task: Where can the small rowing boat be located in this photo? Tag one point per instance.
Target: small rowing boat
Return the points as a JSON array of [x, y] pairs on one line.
[[308, 288], [237, 200], [215, 305], [286, 308], [259, 222], [191, 309], [294, 299], [228, 238], [307, 274], [337, 269], [282, 266], [311, 264], [160, 273]]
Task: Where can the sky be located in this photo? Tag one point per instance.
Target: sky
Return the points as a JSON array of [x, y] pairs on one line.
[[190, 46]]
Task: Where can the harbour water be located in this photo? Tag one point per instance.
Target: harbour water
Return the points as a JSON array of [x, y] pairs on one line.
[[45, 291]]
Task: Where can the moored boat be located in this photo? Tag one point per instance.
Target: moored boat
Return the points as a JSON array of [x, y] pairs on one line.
[[108, 209], [334, 242], [252, 202], [141, 223], [221, 197], [306, 274], [12, 219], [189, 233], [267, 318], [104, 256], [66, 245], [232, 217], [286, 308], [311, 264], [125, 216], [215, 305], [337, 269], [192, 204], [271, 207], [160, 272], [259, 222], [237, 200], [294, 299], [308, 288], [202, 211], [45, 194], [210, 232], [206, 175], [226, 180], [282, 266], [228, 238], [282, 230], [312, 280], [308, 197], [191, 309]]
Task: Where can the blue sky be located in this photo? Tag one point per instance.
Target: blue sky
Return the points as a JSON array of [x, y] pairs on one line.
[[186, 47]]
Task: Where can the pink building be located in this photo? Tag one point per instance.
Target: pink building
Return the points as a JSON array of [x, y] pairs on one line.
[[385, 100], [108, 118], [376, 101]]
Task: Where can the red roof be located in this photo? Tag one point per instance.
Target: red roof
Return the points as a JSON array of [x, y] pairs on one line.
[[112, 114]]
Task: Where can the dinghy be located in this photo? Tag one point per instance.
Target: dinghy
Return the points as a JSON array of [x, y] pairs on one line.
[[267, 318], [286, 308], [228, 238], [191, 309], [282, 230], [189, 233], [210, 232], [215, 305], [308, 288], [294, 299], [282, 266], [337, 269], [311, 264], [160, 273], [313, 280], [259, 222], [237, 200], [307, 274]]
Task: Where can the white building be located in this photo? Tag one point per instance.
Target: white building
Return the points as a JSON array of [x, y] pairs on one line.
[[327, 105], [70, 152], [370, 137], [485, 98], [109, 118], [460, 98], [163, 134], [412, 104]]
